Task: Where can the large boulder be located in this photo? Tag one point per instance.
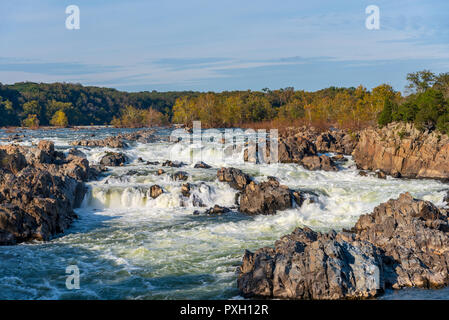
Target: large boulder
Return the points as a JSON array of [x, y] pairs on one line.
[[265, 198], [113, 159], [401, 150], [234, 177], [337, 141], [402, 243], [111, 142], [311, 265]]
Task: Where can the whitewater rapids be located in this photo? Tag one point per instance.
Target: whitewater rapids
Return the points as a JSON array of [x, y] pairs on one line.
[[130, 246]]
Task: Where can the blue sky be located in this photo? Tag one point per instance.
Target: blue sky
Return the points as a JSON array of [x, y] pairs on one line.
[[222, 45]]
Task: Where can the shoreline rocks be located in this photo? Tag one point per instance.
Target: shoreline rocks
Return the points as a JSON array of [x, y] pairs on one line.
[[402, 243], [401, 150], [39, 188]]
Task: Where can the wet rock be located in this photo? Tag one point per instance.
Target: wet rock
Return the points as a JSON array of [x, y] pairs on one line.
[[185, 190], [322, 162], [401, 150], [202, 165], [363, 173], [160, 172], [235, 177], [339, 158], [153, 163], [217, 210], [142, 136], [294, 149], [180, 175], [111, 142], [96, 171], [155, 191], [113, 159], [265, 198], [46, 146], [77, 153], [173, 164], [380, 175]]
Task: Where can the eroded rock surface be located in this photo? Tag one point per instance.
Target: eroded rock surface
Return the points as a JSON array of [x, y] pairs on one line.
[[39, 188], [403, 151], [402, 243]]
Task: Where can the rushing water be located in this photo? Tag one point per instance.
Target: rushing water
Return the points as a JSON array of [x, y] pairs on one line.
[[130, 246]]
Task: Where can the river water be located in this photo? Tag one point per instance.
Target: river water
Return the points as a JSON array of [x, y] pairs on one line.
[[130, 246]]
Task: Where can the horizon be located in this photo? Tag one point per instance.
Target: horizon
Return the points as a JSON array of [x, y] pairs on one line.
[[203, 46]]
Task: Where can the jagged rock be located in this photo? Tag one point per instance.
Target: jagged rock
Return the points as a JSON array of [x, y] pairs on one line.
[[402, 243], [235, 177], [111, 142], [322, 162], [294, 149], [12, 159], [142, 136], [336, 141], [96, 171], [153, 163], [401, 150], [77, 153], [339, 158], [113, 159], [202, 165], [173, 164], [311, 265], [185, 189], [37, 198], [180, 175], [160, 172], [155, 191], [381, 175], [265, 198], [414, 236], [217, 210]]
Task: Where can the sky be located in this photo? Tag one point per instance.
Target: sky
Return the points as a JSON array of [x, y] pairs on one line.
[[211, 45]]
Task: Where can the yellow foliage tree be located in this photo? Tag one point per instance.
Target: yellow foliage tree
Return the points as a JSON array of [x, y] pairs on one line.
[[59, 119]]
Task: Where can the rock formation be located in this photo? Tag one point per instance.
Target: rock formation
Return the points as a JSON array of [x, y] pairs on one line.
[[39, 188], [403, 151], [402, 243]]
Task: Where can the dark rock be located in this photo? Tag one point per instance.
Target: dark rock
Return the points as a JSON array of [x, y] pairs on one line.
[[265, 198], [217, 210], [180, 175], [173, 164], [402, 243], [160, 172], [155, 191], [111, 142], [113, 159], [202, 165], [185, 189], [322, 162], [235, 177]]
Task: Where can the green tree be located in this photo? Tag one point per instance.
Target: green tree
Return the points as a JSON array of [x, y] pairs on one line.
[[31, 121]]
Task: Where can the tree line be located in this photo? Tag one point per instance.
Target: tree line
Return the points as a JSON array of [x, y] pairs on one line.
[[62, 104]]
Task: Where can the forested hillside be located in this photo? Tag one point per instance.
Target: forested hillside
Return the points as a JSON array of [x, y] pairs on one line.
[[62, 104]]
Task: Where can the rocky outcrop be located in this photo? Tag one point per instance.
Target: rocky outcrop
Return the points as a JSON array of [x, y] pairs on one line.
[[142, 136], [113, 159], [337, 141], [202, 165], [266, 198], [234, 177], [302, 151], [111, 142], [259, 198], [39, 188], [155, 191], [402, 243], [403, 151]]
